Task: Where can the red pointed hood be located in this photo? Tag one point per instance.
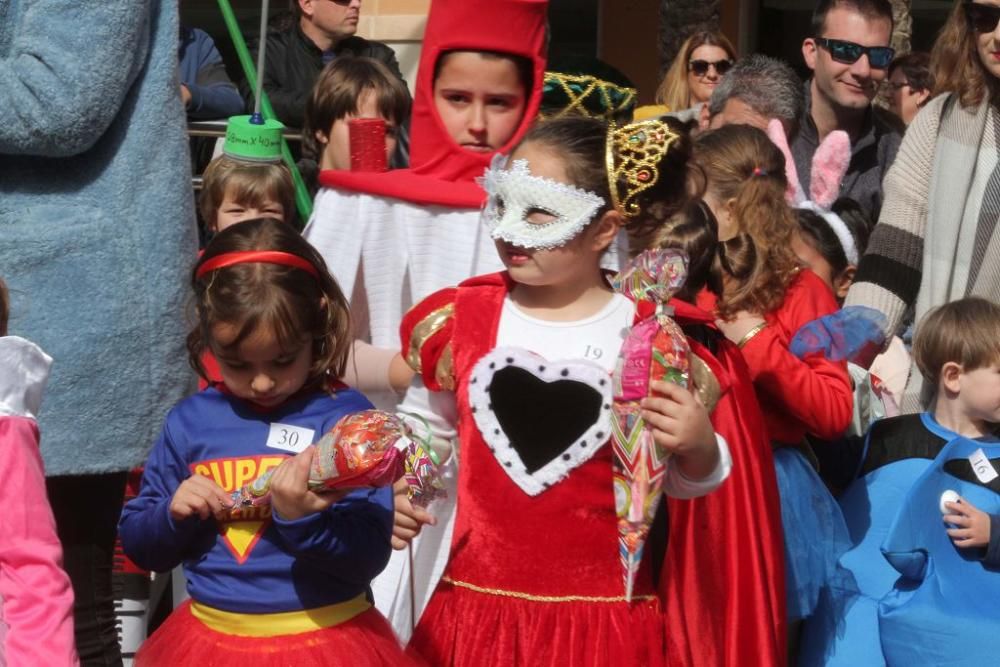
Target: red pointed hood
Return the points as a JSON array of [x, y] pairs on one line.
[[442, 172]]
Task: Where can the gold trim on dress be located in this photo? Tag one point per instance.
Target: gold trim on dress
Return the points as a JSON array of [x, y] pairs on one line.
[[705, 383], [542, 598], [444, 371], [426, 328]]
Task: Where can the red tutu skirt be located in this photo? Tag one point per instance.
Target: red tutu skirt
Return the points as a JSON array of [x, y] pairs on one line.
[[462, 627], [366, 640]]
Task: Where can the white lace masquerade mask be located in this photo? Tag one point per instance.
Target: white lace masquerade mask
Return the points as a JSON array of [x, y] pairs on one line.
[[515, 193]]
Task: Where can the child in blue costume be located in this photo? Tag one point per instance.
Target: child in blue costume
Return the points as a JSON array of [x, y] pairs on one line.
[[287, 584], [957, 351]]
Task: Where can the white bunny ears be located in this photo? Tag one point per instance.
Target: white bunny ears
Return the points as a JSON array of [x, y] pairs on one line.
[[829, 165]]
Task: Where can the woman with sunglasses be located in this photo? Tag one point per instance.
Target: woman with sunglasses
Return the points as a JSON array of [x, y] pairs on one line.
[[703, 59], [938, 239]]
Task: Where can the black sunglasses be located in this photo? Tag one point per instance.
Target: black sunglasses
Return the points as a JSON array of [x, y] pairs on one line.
[[848, 53], [700, 67], [982, 18]]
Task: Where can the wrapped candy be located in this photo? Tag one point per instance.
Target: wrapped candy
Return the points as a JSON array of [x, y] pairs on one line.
[[364, 449], [655, 349], [420, 467], [359, 451]]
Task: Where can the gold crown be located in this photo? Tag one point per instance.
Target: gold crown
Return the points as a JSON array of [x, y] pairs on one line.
[[638, 147], [584, 94]]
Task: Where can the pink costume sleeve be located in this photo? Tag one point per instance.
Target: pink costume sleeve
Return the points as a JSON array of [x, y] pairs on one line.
[[368, 367], [36, 592]]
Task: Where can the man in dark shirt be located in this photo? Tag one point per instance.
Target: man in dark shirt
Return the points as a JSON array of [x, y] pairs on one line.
[[849, 55], [298, 48]]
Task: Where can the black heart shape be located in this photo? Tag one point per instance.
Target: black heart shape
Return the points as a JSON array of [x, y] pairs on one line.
[[541, 419]]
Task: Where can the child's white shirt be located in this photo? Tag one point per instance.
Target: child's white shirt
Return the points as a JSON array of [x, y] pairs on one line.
[[597, 338]]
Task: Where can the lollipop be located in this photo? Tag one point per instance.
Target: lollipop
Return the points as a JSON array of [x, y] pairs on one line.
[[655, 349]]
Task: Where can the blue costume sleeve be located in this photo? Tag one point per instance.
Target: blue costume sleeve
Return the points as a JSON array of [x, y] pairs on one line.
[[351, 536], [992, 557], [149, 535]]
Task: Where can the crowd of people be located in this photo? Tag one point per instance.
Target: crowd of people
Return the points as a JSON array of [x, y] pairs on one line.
[[782, 296]]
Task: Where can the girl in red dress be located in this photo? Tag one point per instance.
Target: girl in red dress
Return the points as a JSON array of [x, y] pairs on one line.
[[517, 365]]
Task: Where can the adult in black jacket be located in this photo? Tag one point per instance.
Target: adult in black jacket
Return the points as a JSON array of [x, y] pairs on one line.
[[299, 45]]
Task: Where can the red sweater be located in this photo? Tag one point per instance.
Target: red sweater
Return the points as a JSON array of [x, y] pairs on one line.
[[797, 396]]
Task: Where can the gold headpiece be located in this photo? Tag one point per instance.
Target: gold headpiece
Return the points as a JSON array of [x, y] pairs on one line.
[[584, 94], [639, 147]]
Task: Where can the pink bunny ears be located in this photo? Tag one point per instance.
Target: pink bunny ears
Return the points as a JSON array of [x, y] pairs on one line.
[[829, 164]]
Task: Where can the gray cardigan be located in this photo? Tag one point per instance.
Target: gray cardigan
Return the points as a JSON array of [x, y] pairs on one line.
[[96, 218]]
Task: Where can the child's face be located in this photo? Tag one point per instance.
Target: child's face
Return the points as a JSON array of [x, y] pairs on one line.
[[573, 262], [259, 369], [337, 143], [839, 283], [979, 394], [480, 100], [231, 211]]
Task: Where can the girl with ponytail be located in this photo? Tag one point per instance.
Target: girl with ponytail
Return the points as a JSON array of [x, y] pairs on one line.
[[767, 296]]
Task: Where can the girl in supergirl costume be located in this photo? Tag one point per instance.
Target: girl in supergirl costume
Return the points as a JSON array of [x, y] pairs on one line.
[[767, 297], [269, 586], [519, 364]]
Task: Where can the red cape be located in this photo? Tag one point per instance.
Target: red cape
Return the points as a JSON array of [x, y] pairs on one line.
[[442, 172], [723, 578]]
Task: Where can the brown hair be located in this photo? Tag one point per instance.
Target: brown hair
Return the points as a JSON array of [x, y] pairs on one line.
[[916, 67], [289, 300], [695, 231], [337, 94], [4, 307], [249, 184], [963, 332], [871, 10], [673, 90], [742, 164], [955, 64], [582, 143]]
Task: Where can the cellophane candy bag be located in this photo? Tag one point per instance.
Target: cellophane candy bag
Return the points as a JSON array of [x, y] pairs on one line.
[[655, 349]]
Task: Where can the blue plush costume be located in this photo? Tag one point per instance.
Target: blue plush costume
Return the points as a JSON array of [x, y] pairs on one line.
[[844, 630], [879, 508], [944, 608]]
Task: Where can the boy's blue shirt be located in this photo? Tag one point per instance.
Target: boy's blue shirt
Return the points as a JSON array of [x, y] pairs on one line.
[[255, 562]]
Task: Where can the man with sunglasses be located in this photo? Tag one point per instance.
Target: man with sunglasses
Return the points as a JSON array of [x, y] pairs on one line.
[[299, 47], [849, 55]]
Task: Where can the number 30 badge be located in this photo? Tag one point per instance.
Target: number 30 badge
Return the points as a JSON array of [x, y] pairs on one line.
[[289, 438]]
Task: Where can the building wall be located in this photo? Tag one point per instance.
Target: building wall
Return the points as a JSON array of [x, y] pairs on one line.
[[400, 24]]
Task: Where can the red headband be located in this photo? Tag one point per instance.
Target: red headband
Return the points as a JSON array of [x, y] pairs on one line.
[[254, 256]]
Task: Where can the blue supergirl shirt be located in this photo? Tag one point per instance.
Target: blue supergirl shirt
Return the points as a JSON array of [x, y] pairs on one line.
[[255, 561]]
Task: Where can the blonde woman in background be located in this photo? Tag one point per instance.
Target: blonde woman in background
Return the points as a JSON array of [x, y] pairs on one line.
[[703, 59]]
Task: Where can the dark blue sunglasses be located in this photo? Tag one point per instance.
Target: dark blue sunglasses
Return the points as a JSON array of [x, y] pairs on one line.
[[848, 53]]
